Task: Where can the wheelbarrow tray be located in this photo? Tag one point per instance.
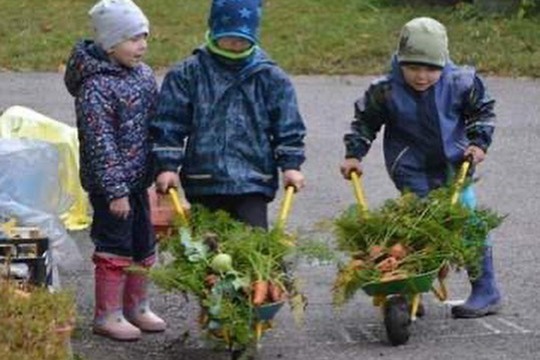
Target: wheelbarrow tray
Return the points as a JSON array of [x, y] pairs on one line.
[[267, 312], [411, 285]]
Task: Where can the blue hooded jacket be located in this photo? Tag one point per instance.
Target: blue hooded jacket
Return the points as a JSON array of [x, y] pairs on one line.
[[113, 104], [240, 119], [426, 133]]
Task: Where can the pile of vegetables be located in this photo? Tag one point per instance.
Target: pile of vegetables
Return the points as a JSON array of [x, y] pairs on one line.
[[36, 324], [232, 269], [409, 236]]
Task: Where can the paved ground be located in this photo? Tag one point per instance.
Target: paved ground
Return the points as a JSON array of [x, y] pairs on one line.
[[509, 184]]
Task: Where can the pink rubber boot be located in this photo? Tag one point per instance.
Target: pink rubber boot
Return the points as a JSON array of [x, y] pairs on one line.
[[136, 304], [109, 319]]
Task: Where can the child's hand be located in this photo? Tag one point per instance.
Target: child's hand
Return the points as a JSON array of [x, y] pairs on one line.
[[166, 180], [350, 165], [294, 178], [120, 207], [478, 155]]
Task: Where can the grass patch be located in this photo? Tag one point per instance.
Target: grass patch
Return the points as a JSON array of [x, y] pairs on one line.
[[304, 36]]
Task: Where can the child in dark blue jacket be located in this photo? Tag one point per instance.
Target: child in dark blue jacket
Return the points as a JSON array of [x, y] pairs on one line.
[[228, 119], [115, 95], [435, 114]]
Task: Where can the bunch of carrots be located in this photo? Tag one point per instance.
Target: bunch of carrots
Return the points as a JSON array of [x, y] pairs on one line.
[[231, 268], [409, 236], [261, 286], [267, 291]]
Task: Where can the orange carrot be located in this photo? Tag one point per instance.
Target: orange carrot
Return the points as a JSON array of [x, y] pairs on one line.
[[394, 275], [275, 292], [388, 264], [356, 264], [376, 251], [259, 292], [211, 280], [398, 251]]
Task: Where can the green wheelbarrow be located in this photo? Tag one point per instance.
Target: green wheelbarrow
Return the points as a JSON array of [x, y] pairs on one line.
[[399, 299]]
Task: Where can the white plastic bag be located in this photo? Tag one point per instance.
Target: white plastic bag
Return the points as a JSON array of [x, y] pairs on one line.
[[19, 122], [30, 193], [29, 174]]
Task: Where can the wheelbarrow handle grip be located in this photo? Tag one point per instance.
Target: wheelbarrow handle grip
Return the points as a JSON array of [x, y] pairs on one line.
[[286, 206], [460, 180], [173, 193], [358, 189]]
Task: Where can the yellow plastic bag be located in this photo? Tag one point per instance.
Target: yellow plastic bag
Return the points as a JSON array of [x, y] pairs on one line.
[[19, 122]]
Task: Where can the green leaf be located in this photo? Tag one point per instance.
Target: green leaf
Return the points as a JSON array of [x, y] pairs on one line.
[[194, 250]]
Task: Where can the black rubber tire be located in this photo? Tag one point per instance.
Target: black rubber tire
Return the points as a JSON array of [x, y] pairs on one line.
[[248, 353], [397, 320], [237, 354]]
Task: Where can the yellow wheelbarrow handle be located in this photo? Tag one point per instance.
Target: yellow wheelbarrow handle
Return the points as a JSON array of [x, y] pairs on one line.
[[283, 214], [358, 189], [285, 206], [460, 181], [356, 180], [173, 193]]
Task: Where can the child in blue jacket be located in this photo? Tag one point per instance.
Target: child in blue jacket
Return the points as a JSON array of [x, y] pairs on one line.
[[435, 115], [115, 96], [228, 119]]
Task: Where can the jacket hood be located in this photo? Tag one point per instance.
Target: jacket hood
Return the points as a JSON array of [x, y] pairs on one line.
[[86, 60]]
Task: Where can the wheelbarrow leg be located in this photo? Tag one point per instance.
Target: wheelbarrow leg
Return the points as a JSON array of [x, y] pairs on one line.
[[259, 329], [379, 300], [440, 293], [415, 302]]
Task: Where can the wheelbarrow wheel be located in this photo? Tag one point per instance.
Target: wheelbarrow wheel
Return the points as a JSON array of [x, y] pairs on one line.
[[247, 353], [397, 320]]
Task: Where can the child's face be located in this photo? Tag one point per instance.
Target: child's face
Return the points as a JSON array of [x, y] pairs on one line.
[[233, 44], [130, 52], [420, 77]]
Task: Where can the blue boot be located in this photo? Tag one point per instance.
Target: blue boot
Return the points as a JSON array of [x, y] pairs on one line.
[[485, 298]]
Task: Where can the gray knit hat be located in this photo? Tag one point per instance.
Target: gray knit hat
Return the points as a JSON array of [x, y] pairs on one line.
[[115, 21], [423, 40]]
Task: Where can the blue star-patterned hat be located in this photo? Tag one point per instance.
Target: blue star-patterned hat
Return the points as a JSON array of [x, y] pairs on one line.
[[235, 18]]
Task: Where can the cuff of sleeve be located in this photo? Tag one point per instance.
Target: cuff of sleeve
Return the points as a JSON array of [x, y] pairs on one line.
[[167, 167], [355, 154], [161, 165], [164, 160], [482, 145], [117, 192], [291, 164]]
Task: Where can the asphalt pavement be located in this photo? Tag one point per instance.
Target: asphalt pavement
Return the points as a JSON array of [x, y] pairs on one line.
[[508, 183]]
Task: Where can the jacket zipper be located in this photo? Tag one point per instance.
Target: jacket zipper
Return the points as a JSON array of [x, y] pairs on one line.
[[396, 161]]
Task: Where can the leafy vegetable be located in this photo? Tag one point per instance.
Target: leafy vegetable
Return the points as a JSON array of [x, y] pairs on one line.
[[409, 236], [219, 261]]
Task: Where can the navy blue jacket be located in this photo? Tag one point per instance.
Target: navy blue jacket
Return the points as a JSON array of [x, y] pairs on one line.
[[113, 106], [426, 133], [241, 122]]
